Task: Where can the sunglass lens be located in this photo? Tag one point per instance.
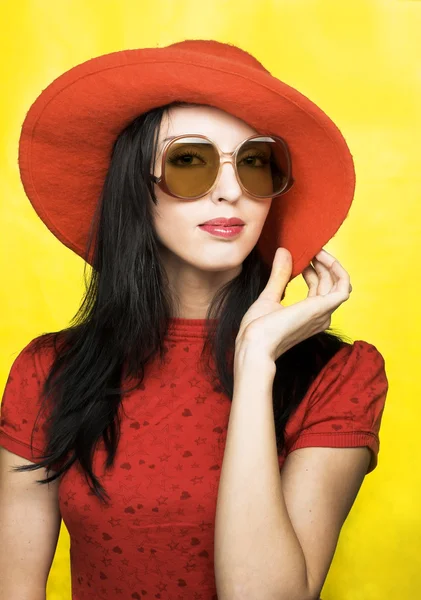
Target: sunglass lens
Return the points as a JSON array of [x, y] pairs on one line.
[[191, 166], [263, 166]]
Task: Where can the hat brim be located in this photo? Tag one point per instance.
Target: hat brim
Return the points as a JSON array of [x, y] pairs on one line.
[[69, 131]]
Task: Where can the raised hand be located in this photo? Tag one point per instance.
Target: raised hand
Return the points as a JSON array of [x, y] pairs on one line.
[[271, 328]]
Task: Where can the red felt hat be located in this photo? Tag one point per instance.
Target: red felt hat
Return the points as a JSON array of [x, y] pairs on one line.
[[70, 129]]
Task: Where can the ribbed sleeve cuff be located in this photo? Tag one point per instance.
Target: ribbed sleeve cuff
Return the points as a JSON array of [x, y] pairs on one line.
[[348, 439]]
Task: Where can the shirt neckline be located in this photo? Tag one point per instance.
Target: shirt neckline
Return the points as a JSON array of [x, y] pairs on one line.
[[187, 329]]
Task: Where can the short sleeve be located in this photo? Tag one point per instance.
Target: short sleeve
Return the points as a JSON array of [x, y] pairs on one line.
[[346, 403], [20, 406]]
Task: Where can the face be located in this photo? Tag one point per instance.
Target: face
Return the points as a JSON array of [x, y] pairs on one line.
[[190, 253]]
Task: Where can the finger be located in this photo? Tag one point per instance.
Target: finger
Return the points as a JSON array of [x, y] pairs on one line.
[[325, 305], [279, 276], [315, 312], [343, 284], [340, 275], [312, 280], [326, 280], [324, 256]]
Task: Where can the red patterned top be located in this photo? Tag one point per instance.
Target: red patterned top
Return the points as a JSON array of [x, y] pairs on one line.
[[155, 539]]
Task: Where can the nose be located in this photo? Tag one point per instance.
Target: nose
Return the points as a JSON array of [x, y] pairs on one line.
[[227, 185]]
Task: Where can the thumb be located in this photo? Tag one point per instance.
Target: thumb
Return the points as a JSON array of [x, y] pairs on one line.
[[279, 276]]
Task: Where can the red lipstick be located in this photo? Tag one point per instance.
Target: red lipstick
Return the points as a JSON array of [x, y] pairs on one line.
[[223, 221], [222, 227]]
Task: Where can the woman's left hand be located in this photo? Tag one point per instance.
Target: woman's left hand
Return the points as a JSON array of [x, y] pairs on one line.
[[271, 328]]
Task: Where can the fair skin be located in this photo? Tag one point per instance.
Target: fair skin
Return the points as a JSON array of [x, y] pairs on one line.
[[198, 264], [275, 531]]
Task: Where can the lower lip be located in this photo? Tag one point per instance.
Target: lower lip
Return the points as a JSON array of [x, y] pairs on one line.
[[225, 232]]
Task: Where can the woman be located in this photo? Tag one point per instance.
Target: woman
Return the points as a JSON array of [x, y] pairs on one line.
[[201, 440]]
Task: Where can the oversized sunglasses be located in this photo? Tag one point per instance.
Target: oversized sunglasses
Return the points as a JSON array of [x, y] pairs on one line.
[[191, 165]]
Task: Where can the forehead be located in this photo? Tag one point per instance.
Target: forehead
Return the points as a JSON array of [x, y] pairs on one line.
[[222, 127]]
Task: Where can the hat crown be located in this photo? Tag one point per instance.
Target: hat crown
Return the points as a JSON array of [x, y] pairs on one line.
[[221, 49]]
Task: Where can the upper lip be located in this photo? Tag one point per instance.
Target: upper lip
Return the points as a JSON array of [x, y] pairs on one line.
[[224, 222]]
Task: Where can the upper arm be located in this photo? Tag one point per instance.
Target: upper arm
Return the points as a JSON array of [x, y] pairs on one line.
[[320, 486], [335, 445], [29, 526]]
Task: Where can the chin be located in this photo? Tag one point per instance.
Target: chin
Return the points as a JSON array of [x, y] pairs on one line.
[[219, 265]]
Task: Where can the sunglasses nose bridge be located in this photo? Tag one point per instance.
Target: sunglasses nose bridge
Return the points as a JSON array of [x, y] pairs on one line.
[[227, 157], [220, 179], [225, 160]]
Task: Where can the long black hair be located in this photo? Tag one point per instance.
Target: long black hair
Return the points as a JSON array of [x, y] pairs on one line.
[[124, 315]]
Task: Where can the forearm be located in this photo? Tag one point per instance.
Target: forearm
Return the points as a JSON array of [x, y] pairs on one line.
[[21, 592], [257, 553]]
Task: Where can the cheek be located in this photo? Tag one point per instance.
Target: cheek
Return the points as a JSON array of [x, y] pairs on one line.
[[259, 216], [173, 227]]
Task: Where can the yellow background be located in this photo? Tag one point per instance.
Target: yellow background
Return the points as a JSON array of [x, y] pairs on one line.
[[360, 61]]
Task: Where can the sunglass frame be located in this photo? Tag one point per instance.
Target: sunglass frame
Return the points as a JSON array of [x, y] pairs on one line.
[[223, 158]]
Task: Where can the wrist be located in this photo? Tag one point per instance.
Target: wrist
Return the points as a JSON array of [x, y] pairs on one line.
[[251, 361]]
